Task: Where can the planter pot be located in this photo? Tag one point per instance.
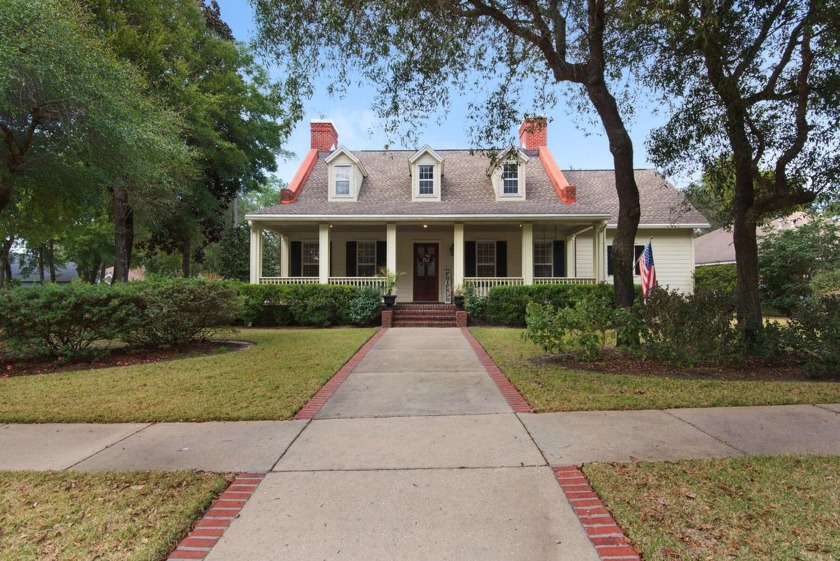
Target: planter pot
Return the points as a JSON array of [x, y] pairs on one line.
[[459, 302], [389, 300]]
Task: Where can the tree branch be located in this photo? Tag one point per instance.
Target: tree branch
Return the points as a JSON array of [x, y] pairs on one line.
[[769, 91], [749, 54]]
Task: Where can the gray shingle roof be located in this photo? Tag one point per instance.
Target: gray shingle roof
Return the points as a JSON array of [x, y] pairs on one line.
[[467, 190]]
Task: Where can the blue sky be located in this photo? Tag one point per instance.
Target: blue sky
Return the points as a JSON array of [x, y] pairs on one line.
[[573, 143]]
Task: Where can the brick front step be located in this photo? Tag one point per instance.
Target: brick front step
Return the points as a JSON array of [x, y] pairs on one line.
[[424, 323], [420, 314]]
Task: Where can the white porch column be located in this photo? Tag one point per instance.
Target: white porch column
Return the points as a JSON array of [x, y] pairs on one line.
[[285, 255], [571, 257], [528, 253], [458, 256], [391, 247], [324, 253], [256, 253], [603, 232], [596, 252]]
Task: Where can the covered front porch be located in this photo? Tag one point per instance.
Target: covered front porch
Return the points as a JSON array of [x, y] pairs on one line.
[[434, 257]]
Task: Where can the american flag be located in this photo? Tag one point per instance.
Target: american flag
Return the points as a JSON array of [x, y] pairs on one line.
[[648, 271]]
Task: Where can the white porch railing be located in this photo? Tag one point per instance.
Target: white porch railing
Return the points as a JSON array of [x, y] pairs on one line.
[[288, 280], [482, 285], [375, 282], [564, 280]]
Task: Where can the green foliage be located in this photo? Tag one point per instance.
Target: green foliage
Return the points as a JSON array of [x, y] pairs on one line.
[[475, 304], [789, 258], [175, 311], [580, 330], [506, 305], [313, 305], [64, 321], [721, 278], [814, 335], [691, 330], [365, 306], [826, 283]]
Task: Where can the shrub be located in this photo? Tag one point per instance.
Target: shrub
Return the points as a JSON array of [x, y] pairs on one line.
[[716, 278], [826, 284], [814, 335], [64, 321], [580, 330], [365, 306], [475, 304], [506, 305], [264, 303], [691, 330], [176, 310]]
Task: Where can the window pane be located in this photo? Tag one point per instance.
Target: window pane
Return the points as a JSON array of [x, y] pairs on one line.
[[365, 259], [427, 180], [543, 270], [543, 259], [485, 259], [342, 180], [510, 178], [309, 259]]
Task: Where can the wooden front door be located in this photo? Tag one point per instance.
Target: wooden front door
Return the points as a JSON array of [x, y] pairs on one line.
[[426, 267]]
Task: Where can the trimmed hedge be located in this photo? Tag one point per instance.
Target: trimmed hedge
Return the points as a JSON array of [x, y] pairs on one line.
[[313, 305], [506, 305], [77, 319]]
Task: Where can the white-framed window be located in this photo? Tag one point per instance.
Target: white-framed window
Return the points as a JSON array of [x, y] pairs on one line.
[[510, 179], [485, 258], [544, 258], [365, 259], [309, 259], [342, 181], [427, 179]]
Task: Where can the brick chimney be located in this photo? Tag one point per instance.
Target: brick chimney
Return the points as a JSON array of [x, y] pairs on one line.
[[324, 135], [533, 133]]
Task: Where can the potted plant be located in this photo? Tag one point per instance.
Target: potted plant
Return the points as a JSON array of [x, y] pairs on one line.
[[458, 297], [389, 295]]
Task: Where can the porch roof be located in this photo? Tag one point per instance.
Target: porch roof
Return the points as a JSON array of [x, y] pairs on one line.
[[467, 193]]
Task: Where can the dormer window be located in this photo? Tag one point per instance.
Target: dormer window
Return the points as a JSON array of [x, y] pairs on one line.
[[507, 174], [342, 181], [510, 179], [346, 174], [426, 170], [427, 180]]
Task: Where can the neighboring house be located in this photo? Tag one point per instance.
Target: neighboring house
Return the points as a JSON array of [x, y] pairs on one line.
[[137, 273], [717, 247], [64, 273], [454, 217]]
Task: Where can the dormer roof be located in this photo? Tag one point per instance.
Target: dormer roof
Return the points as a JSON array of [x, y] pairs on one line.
[[419, 154], [341, 150], [505, 156]]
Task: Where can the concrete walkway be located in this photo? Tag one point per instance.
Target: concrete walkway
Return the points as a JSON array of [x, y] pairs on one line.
[[417, 455]]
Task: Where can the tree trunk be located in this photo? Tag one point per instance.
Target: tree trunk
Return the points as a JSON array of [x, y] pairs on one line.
[[235, 215], [5, 190], [629, 210], [4, 261], [746, 250], [51, 259], [41, 276], [123, 234], [185, 258]]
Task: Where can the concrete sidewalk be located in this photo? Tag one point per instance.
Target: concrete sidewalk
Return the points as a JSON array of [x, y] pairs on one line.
[[417, 455]]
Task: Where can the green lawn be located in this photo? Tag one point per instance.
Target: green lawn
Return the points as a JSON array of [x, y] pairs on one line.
[[137, 516], [271, 380], [780, 508], [553, 388]]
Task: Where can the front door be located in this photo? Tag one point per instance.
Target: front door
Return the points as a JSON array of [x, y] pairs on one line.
[[426, 266]]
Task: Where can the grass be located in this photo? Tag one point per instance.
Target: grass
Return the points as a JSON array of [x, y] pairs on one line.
[[549, 387], [271, 380], [780, 508], [137, 516]]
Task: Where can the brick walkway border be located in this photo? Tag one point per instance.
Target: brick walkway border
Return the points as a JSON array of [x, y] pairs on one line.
[[326, 392], [218, 517], [607, 537], [509, 391]]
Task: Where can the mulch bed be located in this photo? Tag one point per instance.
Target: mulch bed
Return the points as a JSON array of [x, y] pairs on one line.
[[753, 368], [118, 357]]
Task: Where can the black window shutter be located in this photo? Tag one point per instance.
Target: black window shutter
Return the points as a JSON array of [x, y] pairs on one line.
[[559, 258], [609, 261], [296, 259], [639, 250], [469, 259], [331, 260], [501, 258], [381, 254], [351, 259]]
